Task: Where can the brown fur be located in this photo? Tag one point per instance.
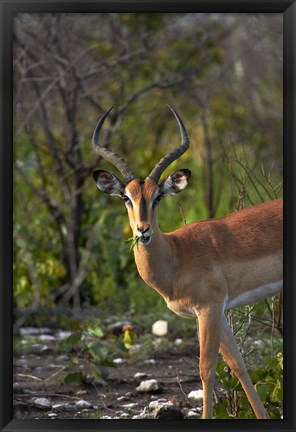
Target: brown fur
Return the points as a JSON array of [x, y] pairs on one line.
[[190, 264], [232, 237]]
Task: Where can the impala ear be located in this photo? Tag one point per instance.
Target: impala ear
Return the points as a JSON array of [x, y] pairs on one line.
[[108, 183], [175, 182]]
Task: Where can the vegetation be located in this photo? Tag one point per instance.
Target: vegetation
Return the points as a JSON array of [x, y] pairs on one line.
[[90, 357], [268, 382], [223, 73]]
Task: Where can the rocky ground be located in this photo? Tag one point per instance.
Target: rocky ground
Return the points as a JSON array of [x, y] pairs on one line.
[[164, 385]]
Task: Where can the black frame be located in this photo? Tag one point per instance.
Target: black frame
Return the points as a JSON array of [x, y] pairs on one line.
[[7, 9]]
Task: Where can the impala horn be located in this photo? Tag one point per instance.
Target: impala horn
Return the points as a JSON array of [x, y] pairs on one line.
[[109, 155], [174, 154]]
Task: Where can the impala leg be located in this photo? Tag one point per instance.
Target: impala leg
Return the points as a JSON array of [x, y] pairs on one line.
[[235, 361], [210, 324]]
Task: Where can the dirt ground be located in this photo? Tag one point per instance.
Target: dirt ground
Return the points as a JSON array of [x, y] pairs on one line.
[[41, 375]]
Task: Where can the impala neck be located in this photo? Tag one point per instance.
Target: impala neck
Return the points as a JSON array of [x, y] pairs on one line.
[[156, 262]]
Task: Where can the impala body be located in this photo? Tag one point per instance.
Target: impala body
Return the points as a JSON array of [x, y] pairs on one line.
[[206, 267]]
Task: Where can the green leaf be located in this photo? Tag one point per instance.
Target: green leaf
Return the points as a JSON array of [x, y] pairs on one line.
[[257, 375], [277, 393], [263, 390], [73, 378], [120, 345], [98, 351], [96, 331], [271, 362], [73, 339], [108, 363], [222, 370], [245, 404], [234, 382], [274, 412], [221, 410]]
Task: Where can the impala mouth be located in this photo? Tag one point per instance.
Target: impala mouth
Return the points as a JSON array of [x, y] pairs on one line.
[[145, 239]]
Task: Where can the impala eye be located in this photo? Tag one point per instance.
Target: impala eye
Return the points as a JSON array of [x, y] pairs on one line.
[[157, 199], [127, 200]]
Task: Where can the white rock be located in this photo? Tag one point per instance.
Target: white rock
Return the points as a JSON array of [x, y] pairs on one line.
[[192, 414], [153, 397], [122, 398], [118, 360], [147, 386], [195, 395], [81, 404], [63, 407], [63, 334], [42, 402], [52, 415], [149, 362], [160, 328], [140, 376], [29, 392], [159, 402], [258, 344], [81, 392], [142, 415], [33, 331], [178, 342], [130, 405], [38, 348], [166, 410], [45, 337], [63, 357]]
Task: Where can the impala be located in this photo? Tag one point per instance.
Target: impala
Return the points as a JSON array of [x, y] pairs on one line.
[[205, 268]]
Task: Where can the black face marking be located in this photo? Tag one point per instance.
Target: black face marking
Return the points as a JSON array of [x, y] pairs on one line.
[[143, 209]]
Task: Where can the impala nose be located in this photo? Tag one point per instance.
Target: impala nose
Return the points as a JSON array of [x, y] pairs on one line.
[[143, 229], [144, 233]]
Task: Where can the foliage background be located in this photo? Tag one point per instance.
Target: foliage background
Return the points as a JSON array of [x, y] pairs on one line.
[[223, 73]]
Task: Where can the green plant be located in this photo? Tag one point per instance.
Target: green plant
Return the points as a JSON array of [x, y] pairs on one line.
[[91, 355], [268, 382]]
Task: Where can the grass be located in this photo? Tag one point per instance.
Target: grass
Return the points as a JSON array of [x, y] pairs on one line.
[[133, 242]]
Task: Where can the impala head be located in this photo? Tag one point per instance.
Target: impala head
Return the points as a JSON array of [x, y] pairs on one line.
[[141, 197]]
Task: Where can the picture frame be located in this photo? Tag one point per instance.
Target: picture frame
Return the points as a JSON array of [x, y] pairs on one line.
[[7, 11]]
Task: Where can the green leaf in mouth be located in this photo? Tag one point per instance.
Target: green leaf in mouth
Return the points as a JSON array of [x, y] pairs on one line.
[[133, 242]]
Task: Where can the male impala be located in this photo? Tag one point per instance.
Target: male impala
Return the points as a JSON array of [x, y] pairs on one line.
[[204, 268]]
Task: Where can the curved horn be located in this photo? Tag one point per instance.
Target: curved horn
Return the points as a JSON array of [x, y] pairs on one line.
[[109, 155], [174, 154]]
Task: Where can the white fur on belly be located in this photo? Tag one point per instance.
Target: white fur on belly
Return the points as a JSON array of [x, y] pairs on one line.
[[255, 295]]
